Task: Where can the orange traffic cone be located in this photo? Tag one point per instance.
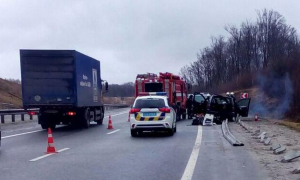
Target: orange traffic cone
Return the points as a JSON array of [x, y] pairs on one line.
[[128, 118], [110, 126], [50, 148]]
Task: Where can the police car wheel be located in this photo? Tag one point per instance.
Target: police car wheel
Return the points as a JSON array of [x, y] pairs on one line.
[[175, 129], [133, 133], [171, 132]]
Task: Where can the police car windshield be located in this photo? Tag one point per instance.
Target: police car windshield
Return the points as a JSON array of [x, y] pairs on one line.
[[149, 103]]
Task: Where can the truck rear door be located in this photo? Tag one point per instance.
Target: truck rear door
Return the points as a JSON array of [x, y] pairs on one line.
[[47, 77]]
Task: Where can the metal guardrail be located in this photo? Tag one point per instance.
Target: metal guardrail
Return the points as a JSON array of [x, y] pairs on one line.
[[228, 136], [14, 112], [23, 112]]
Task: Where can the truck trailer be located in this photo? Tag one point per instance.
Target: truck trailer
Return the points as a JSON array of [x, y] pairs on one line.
[[65, 85]]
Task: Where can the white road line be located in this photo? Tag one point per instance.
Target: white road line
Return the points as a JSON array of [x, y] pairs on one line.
[[190, 167], [114, 131], [64, 149], [4, 137], [46, 155], [22, 134], [41, 157]]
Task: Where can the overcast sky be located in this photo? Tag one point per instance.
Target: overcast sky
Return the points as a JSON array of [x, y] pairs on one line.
[[127, 36]]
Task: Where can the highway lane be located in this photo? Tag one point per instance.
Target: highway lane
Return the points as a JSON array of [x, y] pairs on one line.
[[95, 154], [9, 129]]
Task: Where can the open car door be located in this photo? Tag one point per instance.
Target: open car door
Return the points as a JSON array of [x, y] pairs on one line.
[[199, 104], [243, 107]]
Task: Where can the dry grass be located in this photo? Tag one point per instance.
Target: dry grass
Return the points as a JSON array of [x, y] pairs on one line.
[[10, 93], [290, 124], [117, 100]]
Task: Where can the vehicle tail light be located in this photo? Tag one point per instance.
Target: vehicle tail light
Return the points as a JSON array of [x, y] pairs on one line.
[[134, 110], [31, 113], [71, 113], [165, 110]]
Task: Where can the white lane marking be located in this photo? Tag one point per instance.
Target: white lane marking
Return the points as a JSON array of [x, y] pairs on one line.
[[22, 134], [46, 155], [4, 137], [64, 149], [114, 131], [190, 167]]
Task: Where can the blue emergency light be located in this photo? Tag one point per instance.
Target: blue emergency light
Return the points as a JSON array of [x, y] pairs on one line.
[[152, 94]]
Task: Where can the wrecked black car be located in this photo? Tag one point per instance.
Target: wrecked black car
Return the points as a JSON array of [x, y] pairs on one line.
[[222, 107]]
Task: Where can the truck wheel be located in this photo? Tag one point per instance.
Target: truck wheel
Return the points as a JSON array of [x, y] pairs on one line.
[[86, 118], [102, 114], [52, 126], [183, 116], [178, 116], [100, 121], [133, 133], [44, 126]]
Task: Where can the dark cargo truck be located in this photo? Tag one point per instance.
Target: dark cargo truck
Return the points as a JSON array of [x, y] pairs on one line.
[[64, 84]]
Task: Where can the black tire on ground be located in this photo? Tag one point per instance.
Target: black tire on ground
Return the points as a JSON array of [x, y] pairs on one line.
[[219, 122], [230, 119], [100, 121], [44, 126], [46, 123], [175, 129], [133, 133], [183, 116], [52, 126], [171, 131], [178, 116], [85, 117], [102, 114]]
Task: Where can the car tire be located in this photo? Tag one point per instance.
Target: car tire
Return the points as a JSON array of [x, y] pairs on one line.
[[133, 133], [175, 129], [171, 132], [219, 122], [183, 116]]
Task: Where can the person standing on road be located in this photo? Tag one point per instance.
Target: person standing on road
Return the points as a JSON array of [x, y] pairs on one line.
[[189, 104]]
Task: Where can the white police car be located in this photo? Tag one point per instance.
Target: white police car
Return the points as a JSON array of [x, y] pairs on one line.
[[152, 112]]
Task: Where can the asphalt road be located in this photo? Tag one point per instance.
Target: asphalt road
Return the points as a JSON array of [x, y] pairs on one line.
[[194, 152]]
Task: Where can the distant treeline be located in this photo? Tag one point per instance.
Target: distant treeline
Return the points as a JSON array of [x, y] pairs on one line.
[[267, 47], [120, 90]]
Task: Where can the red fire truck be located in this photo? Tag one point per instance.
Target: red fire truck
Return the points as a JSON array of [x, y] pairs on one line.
[[173, 85]]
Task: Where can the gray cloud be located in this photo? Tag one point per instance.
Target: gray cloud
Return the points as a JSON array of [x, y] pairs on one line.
[[127, 36]]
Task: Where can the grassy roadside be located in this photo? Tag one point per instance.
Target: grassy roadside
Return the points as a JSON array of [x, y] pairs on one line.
[[292, 125]]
